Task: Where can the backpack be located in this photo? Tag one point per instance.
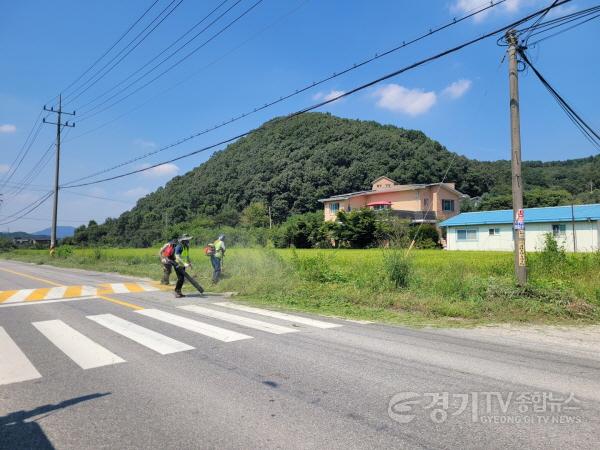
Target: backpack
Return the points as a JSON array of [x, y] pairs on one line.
[[168, 250], [210, 250]]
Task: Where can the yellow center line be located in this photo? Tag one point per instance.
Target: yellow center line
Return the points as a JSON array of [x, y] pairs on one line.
[[31, 277], [120, 302]]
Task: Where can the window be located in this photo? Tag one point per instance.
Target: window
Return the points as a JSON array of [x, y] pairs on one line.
[[425, 203], [559, 229], [334, 207], [380, 207], [447, 205], [349, 208], [466, 234], [494, 231]]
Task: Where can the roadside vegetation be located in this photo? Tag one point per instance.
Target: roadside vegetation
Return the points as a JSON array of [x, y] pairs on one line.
[[428, 287]]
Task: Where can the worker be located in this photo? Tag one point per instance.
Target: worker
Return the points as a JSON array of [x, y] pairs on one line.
[[181, 261], [216, 258], [166, 253]]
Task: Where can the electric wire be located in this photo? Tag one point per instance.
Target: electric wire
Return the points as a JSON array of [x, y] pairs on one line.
[[168, 69], [327, 101], [589, 133], [197, 24], [187, 78], [91, 82], [131, 27], [297, 91]]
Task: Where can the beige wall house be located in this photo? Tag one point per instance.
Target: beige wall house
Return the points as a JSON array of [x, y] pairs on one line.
[[417, 202]]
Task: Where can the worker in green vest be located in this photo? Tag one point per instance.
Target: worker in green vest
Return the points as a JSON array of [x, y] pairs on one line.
[[216, 258]]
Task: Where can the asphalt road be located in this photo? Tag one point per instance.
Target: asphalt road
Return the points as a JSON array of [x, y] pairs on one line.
[[119, 364]]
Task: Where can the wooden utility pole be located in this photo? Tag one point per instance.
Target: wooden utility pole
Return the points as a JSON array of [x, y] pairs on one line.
[[59, 126], [517, 180]]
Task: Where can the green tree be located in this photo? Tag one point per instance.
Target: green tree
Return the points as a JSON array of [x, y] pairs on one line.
[[256, 214]]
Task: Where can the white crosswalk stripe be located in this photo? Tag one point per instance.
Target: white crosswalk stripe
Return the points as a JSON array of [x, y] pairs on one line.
[[155, 341], [279, 315], [55, 292], [119, 288], [193, 325], [239, 320], [14, 365], [86, 353]]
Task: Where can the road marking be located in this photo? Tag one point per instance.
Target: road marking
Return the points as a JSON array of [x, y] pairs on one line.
[[133, 287], [19, 296], [43, 280], [88, 290], [193, 325], [56, 292], [86, 353], [155, 341], [14, 365], [5, 295], [120, 302], [240, 320], [280, 315], [118, 288], [38, 294], [42, 302]]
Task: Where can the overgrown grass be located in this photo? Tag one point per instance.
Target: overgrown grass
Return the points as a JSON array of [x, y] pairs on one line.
[[432, 287]]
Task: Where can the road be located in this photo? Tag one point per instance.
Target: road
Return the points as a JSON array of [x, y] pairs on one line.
[[91, 360]]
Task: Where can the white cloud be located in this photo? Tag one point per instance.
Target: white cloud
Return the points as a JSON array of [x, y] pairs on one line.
[[165, 170], [136, 192], [4, 168], [408, 101], [457, 89], [7, 128], [145, 143], [327, 95]]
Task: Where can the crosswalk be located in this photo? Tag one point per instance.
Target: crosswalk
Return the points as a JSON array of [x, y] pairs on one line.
[[65, 292], [71, 340]]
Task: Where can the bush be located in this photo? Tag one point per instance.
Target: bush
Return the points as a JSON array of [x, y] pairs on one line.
[[64, 251], [398, 267], [301, 231]]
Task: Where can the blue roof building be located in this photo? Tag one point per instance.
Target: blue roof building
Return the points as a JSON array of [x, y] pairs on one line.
[[575, 228]]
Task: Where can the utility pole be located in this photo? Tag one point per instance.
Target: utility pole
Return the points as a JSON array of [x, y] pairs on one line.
[[59, 126], [517, 180]]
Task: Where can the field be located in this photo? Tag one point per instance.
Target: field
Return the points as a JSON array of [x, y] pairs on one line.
[[433, 288]]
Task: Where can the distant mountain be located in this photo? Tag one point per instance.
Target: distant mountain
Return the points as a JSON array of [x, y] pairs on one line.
[[61, 232]]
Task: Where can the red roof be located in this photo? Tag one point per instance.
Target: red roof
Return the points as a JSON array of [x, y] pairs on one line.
[[388, 203]]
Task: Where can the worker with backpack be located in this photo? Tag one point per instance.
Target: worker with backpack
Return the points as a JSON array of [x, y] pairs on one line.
[[167, 254], [216, 252]]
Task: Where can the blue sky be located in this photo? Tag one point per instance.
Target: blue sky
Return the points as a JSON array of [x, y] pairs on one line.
[[279, 46]]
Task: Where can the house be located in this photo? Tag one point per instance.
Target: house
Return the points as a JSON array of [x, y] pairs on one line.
[[417, 202], [576, 228], [31, 240]]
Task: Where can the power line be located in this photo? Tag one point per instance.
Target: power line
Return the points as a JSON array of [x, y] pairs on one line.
[[325, 102], [197, 24], [30, 208], [377, 56], [22, 155], [187, 78], [168, 69], [593, 14], [87, 85], [109, 49], [589, 133]]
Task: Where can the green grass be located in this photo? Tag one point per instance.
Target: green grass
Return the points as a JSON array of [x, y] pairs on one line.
[[435, 288]]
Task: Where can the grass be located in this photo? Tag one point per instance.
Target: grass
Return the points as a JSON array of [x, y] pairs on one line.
[[432, 287]]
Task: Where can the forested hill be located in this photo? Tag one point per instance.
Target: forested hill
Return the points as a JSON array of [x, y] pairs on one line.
[[289, 164]]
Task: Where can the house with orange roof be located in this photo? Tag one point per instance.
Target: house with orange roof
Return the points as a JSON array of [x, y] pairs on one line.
[[417, 202]]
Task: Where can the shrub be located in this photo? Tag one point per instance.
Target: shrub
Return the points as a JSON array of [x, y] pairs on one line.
[[64, 251], [398, 267]]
